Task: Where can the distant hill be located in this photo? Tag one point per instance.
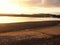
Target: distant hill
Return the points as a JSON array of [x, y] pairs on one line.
[[32, 15]]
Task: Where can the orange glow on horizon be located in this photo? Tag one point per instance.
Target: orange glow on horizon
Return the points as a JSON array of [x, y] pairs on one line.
[[20, 7]]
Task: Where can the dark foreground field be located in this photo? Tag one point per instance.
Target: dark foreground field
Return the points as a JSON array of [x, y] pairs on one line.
[[49, 35], [8, 27]]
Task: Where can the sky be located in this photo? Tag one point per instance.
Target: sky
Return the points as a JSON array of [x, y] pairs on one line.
[[29, 6], [47, 3]]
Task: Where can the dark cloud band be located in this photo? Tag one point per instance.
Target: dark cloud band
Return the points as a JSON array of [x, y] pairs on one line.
[[44, 3]]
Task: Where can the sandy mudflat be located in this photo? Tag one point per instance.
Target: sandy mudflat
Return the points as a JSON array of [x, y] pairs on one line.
[[35, 36], [53, 30]]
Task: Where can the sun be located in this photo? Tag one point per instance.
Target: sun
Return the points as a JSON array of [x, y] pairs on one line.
[[11, 7]]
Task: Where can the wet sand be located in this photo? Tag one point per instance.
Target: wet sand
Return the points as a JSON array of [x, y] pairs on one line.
[[35, 36]]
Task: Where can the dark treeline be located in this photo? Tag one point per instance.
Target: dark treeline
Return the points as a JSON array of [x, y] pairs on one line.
[[32, 15]]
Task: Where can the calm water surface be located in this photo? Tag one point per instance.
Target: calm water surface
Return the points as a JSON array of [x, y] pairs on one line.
[[10, 19]]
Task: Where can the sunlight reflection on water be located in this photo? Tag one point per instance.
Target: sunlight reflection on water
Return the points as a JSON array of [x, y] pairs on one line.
[[10, 19]]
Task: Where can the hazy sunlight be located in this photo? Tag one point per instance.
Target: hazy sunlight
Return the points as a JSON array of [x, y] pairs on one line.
[[20, 7]]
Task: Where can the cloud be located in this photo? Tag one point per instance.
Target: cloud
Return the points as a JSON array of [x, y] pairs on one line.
[[43, 3], [53, 3]]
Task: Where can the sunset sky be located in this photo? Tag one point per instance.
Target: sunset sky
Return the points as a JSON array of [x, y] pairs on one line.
[[29, 6]]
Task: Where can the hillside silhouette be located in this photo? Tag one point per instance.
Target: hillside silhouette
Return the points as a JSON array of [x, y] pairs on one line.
[[32, 15]]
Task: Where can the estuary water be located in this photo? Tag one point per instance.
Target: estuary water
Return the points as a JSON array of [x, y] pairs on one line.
[[11, 19]]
